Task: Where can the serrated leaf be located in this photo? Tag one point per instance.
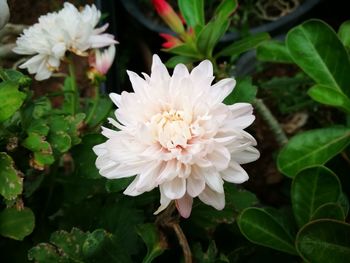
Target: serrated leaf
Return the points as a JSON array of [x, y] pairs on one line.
[[311, 148], [47, 253], [38, 126], [155, 244], [316, 48], [273, 51], [60, 141], [16, 224], [311, 189], [330, 96], [324, 240], [192, 11], [11, 99], [11, 184], [344, 33], [260, 227], [244, 91], [329, 211], [243, 45]]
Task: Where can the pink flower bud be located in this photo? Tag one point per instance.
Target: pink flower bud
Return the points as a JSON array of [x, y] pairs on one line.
[[170, 41]]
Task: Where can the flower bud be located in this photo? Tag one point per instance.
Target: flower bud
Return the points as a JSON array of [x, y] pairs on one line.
[[170, 41], [4, 13], [100, 62], [167, 13]]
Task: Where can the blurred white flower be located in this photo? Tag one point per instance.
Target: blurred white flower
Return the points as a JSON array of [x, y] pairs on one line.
[[58, 32], [4, 13], [176, 134], [100, 62]]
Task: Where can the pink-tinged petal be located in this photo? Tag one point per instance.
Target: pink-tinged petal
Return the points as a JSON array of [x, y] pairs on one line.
[[184, 206], [220, 157], [175, 189], [248, 155], [213, 180], [102, 40], [168, 173], [164, 201], [212, 198], [147, 180], [235, 174], [131, 189], [195, 183]]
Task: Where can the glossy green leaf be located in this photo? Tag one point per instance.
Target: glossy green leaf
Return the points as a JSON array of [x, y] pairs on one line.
[[210, 35], [154, 241], [15, 76], [11, 184], [16, 224], [173, 61], [192, 11], [316, 48], [329, 211], [11, 99], [244, 91], [273, 51], [344, 33], [344, 203], [324, 240], [103, 109], [311, 148], [261, 228], [185, 50], [330, 96], [311, 189], [226, 8], [243, 45]]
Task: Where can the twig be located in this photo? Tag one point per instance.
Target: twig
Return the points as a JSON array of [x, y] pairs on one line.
[[266, 114]]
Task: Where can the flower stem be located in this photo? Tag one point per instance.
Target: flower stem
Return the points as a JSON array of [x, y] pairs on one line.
[[95, 103], [73, 87], [266, 114]]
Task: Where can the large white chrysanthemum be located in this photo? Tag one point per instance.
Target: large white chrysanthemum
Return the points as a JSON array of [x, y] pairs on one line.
[[176, 134], [55, 33]]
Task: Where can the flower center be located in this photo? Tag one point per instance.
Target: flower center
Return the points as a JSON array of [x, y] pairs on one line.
[[171, 128]]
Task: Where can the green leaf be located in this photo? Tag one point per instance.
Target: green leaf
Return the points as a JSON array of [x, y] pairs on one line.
[[329, 96], [210, 35], [316, 48], [261, 228], [173, 61], [243, 45], [329, 211], [344, 203], [244, 91], [85, 158], [70, 243], [11, 184], [311, 148], [273, 51], [344, 33], [323, 241], [226, 8], [116, 185], [60, 141], [154, 241], [39, 127], [312, 188], [15, 76], [36, 143], [185, 50], [16, 224], [192, 11], [103, 109], [47, 253], [11, 99]]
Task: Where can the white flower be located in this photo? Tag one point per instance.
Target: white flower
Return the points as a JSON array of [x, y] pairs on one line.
[[58, 32], [176, 134], [4, 13], [102, 61]]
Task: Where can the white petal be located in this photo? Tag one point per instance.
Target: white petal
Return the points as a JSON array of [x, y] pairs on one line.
[[235, 174], [159, 71], [175, 189], [248, 155], [164, 201], [220, 157], [210, 197], [213, 180], [116, 98], [131, 189], [195, 183], [184, 206], [203, 70], [221, 90]]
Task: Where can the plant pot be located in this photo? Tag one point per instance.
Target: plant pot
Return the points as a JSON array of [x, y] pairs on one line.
[[133, 8]]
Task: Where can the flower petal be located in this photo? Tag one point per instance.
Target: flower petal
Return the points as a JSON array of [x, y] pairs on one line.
[[235, 174], [210, 197], [175, 189], [184, 205]]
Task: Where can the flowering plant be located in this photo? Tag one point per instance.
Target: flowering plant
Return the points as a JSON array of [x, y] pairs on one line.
[[180, 168]]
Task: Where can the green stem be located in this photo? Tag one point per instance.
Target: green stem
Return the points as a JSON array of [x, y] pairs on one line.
[[73, 87], [95, 103], [266, 114]]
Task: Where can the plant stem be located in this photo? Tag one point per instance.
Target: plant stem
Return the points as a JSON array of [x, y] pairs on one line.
[[266, 114], [73, 87], [95, 103]]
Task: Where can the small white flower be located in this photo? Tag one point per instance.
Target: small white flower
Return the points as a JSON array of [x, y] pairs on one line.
[[4, 13], [176, 134], [58, 32]]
